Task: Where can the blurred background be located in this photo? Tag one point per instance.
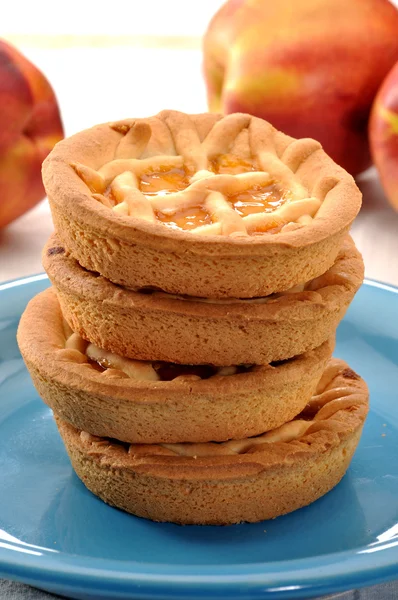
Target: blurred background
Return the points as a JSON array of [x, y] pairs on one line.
[[133, 59]]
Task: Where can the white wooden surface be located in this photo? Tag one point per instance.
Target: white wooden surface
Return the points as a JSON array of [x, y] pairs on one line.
[[97, 84]]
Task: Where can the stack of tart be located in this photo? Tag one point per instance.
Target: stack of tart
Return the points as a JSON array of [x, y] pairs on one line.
[[199, 269]]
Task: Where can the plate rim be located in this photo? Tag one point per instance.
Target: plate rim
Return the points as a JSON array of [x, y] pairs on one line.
[[289, 578]]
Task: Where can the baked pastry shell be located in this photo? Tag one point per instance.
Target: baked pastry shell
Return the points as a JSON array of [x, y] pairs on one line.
[[132, 252], [270, 480], [158, 326], [112, 405]]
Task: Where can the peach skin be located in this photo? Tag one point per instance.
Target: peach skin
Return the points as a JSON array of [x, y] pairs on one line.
[[383, 135], [30, 125], [312, 68]]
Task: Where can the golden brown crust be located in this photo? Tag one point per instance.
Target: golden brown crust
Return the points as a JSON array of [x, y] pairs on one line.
[[137, 253], [113, 405], [263, 482], [157, 326]]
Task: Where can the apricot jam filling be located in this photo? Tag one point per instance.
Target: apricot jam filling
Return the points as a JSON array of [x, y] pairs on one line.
[[163, 181], [258, 199], [174, 179]]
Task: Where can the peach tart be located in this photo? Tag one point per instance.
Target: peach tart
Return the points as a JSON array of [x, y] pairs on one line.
[[148, 402], [180, 329], [249, 479], [199, 205]]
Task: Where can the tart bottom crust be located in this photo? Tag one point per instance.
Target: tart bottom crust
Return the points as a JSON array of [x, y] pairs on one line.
[[245, 480], [189, 331], [271, 493], [105, 404]]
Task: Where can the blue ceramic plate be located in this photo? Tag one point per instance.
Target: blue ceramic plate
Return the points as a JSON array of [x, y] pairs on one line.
[[56, 535]]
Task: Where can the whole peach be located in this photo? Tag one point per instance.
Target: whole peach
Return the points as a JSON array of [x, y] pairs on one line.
[[30, 125], [310, 67]]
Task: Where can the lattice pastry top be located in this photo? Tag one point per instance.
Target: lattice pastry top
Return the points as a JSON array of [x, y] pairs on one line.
[[223, 177], [112, 365]]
